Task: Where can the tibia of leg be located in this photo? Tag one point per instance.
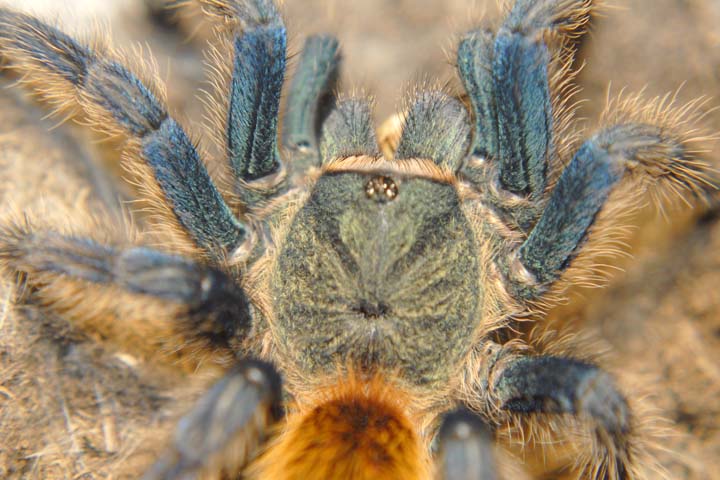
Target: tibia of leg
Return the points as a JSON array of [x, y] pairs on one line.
[[310, 95], [506, 78], [466, 448], [255, 88], [524, 113], [475, 59], [437, 127], [115, 100], [349, 131], [225, 429], [127, 294], [657, 156]]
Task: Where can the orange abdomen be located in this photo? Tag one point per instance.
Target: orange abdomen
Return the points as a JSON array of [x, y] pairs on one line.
[[357, 431]]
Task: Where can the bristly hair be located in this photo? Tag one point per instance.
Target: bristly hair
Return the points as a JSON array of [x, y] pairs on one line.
[[668, 144], [357, 429], [69, 76]]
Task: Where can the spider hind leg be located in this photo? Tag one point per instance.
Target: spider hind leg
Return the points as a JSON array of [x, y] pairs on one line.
[[141, 299], [520, 386], [225, 429], [466, 447]]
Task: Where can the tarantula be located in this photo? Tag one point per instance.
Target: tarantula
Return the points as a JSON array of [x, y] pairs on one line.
[[385, 287]]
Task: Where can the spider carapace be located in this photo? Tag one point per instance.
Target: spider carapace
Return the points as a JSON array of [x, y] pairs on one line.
[[372, 304]]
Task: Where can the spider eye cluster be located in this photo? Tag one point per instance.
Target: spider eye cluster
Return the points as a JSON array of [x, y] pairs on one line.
[[382, 189]]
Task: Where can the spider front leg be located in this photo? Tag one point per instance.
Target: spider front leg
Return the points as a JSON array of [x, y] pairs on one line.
[[164, 161], [223, 432], [248, 116], [315, 78], [511, 80]]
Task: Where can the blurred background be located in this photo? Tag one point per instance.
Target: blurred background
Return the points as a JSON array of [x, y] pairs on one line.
[[659, 318]]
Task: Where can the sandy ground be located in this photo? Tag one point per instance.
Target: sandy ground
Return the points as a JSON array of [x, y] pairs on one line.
[[660, 318]]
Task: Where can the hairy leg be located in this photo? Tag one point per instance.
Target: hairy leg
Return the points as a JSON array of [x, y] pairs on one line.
[[244, 104], [311, 97], [519, 385], [466, 448], [514, 91], [653, 144], [114, 100], [141, 299], [224, 431]]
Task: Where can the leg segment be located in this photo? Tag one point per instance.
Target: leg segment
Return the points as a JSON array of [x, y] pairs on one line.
[[246, 101], [475, 58], [558, 385], [562, 385], [98, 287], [661, 153], [524, 113], [257, 79], [227, 426], [115, 100], [466, 448], [315, 79], [507, 80]]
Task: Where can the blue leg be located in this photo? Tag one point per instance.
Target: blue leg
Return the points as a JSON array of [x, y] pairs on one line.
[[114, 99], [310, 94], [527, 385], [466, 448], [211, 309], [475, 59], [258, 71], [506, 78], [524, 113], [662, 154], [557, 385], [226, 428]]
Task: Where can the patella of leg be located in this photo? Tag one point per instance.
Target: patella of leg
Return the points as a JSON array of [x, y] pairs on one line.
[[114, 100], [310, 97], [466, 448], [660, 155], [223, 432], [136, 296], [349, 131], [437, 127], [557, 385]]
